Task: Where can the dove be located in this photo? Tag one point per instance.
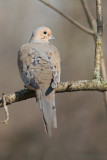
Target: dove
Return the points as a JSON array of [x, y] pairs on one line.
[[39, 67]]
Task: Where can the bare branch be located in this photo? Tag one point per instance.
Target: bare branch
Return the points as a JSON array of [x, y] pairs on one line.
[[98, 49], [99, 17], [70, 19], [83, 85], [90, 18]]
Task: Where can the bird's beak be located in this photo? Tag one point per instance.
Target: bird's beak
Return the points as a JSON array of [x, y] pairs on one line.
[[51, 37]]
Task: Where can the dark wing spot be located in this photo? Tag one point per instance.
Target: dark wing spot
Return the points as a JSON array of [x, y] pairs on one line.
[[34, 63], [49, 57], [51, 67], [27, 67], [34, 58], [54, 66]]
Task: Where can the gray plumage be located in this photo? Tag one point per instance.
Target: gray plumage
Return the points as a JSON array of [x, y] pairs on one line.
[[39, 66]]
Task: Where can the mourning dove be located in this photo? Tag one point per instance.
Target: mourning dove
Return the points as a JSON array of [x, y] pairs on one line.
[[39, 67]]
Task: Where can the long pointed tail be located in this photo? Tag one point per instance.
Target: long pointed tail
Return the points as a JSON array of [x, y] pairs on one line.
[[48, 109]]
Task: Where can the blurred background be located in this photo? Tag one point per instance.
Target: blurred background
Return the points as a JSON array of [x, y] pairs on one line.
[[82, 125]]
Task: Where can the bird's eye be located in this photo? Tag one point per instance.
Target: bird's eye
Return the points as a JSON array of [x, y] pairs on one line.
[[45, 32]]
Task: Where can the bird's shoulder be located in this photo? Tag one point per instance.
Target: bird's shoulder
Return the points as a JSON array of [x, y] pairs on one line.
[[25, 48], [47, 47]]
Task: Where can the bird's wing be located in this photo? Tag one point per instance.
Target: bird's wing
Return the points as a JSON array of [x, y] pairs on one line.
[[38, 66], [27, 65], [55, 61]]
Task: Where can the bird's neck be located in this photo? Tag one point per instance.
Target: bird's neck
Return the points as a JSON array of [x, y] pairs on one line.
[[33, 39], [39, 41]]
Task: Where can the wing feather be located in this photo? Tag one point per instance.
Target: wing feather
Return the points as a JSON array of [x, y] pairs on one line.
[[38, 66]]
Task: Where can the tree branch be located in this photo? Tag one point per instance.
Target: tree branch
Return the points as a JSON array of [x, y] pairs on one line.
[[90, 18], [104, 73], [93, 26], [82, 85], [70, 19], [98, 49]]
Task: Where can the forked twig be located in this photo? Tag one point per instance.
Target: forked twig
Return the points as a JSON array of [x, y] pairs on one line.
[[5, 109], [91, 20]]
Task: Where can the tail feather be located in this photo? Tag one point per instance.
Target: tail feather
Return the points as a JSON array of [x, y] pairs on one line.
[[48, 110], [54, 117]]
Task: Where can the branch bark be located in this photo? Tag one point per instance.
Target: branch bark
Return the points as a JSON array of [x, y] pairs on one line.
[[82, 85], [98, 49]]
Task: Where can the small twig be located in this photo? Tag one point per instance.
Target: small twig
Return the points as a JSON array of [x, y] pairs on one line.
[[90, 18], [5, 109], [70, 19]]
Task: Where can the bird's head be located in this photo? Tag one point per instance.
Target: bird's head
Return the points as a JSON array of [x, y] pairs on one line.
[[41, 34]]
